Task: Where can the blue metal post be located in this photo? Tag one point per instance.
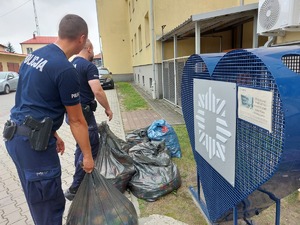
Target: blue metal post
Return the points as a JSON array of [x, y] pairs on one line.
[[277, 201], [198, 185], [235, 216], [277, 220]]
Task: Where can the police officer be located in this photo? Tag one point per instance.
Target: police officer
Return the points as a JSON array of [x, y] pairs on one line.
[[48, 87], [90, 88]]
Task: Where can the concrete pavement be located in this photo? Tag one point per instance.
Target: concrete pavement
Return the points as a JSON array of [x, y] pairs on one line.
[[13, 206]]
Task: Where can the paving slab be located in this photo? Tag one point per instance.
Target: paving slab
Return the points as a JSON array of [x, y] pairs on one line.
[[13, 207], [133, 120]]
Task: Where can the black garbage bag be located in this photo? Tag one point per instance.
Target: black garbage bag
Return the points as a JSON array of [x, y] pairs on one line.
[[112, 162], [98, 202], [156, 175], [137, 136]]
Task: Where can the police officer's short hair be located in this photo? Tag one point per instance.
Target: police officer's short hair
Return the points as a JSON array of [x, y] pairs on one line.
[[72, 26]]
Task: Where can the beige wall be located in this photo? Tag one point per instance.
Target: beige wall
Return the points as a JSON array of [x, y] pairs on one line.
[[4, 59], [33, 46], [114, 32], [120, 31], [289, 37], [141, 51], [172, 14], [248, 37], [250, 1]]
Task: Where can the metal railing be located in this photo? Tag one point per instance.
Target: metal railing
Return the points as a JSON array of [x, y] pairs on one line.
[[171, 79]]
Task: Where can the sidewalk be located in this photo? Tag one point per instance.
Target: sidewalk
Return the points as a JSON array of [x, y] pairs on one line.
[[13, 206], [160, 109]]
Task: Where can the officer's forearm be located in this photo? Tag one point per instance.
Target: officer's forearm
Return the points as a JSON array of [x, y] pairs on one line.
[[101, 98], [80, 132], [79, 129]]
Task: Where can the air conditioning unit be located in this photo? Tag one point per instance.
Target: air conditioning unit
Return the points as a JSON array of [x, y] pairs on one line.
[[275, 16]]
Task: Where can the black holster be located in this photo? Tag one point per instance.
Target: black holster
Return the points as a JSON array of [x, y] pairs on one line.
[[93, 105], [40, 132], [87, 112]]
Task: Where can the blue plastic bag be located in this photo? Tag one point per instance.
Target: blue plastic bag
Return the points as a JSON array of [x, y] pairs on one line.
[[161, 130]]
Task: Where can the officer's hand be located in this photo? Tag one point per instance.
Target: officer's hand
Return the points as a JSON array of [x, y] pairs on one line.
[[88, 164], [60, 145], [109, 114]]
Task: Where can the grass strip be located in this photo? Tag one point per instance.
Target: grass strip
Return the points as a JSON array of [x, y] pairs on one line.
[[130, 98]]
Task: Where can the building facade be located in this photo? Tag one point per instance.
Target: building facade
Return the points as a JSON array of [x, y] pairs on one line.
[[35, 43], [150, 38], [10, 61], [2, 48]]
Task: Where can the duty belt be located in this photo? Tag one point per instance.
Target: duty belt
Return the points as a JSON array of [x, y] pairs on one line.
[[23, 130], [38, 132]]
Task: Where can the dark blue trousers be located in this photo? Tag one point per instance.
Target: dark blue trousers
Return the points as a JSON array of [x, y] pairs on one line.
[[94, 141], [40, 176]]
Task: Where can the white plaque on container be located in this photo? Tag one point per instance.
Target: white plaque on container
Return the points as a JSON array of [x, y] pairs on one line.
[[255, 106], [215, 125]]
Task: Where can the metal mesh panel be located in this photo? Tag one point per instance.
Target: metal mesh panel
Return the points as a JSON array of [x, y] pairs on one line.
[[179, 70], [292, 62], [257, 151], [165, 80], [169, 81], [191, 71]]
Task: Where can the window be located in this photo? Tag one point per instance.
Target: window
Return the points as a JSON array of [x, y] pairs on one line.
[[135, 44], [10, 76], [150, 82], [140, 37], [138, 78], [147, 30], [143, 78], [29, 50], [129, 8], [13, 66], [132, 5], [132, 48]]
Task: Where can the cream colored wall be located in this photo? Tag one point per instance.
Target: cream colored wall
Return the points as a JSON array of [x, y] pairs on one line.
[[248, 37], [218, 42], [246, 2], [172, 14], [120, 56], [4, 59], [114, 31], [185, 47], [141, 8], [33, 46], [289, 37]]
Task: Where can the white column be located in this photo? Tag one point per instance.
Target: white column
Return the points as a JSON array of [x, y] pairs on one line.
[[175, 72], [255, 35], [197, 38]]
